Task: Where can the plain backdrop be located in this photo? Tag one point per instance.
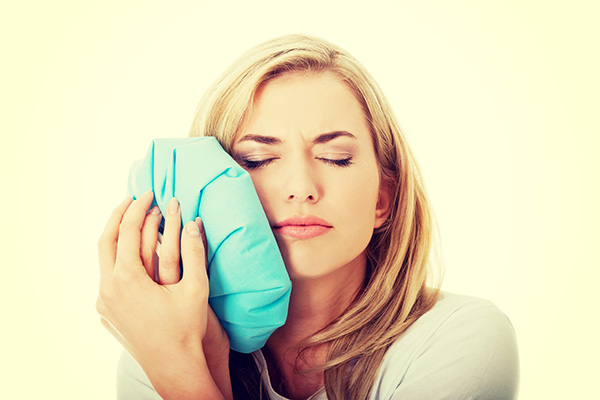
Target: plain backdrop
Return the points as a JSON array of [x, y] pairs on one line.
[[499, 100]]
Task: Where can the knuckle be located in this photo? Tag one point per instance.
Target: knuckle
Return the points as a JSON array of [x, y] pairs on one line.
[[122, 276], [196, 254], [128, 225], [193, 253], [195, 246], [146, 258], [105, 295], [198, 290], [153, 219], [145, 252], [147, 248], [170, 260]]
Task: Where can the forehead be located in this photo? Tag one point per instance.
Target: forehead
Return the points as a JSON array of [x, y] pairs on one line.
[[312, 102]]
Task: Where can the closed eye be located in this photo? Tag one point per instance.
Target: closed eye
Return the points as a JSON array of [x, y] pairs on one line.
[[254, 164], [346, 162], [248, 163]]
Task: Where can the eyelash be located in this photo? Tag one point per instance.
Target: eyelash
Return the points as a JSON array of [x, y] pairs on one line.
[[346, 162], [252, 164]]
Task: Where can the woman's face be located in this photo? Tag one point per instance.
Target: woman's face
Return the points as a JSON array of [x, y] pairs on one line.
[[308, 149]]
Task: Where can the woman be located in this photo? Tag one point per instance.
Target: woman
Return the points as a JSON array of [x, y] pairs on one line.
[[343, 194]]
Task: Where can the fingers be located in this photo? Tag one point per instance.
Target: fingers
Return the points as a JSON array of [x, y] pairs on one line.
[[168, 264], [107, 244], [128, 246], [194, 255], [149, 240]]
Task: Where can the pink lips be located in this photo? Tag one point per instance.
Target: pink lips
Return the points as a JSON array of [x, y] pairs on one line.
[[303, 227]]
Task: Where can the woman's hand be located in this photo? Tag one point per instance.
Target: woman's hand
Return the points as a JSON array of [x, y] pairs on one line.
[[162, 324]]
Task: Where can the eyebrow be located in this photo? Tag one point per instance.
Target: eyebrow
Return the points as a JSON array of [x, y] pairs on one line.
[[261, 139], [323, 138], [327, 137]]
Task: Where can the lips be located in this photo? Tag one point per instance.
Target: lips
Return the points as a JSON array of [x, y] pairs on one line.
[[303, 227]]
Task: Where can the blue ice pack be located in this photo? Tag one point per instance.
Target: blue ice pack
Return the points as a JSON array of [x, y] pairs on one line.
[[249, 285]]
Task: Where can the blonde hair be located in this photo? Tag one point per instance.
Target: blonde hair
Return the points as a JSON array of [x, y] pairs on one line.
[[397, 290]]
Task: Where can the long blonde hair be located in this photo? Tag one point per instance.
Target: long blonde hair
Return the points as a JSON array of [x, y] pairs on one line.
[[398, 287]]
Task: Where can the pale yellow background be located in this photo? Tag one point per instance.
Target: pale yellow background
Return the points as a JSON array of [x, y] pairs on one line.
[[499, 99]]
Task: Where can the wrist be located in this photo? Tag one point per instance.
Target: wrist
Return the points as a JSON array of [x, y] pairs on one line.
[[180, 372], [217, 360]]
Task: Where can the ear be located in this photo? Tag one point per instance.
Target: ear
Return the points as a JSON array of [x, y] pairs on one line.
[[384, 204]]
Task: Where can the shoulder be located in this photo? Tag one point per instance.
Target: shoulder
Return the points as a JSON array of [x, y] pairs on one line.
[[132, 382], [463, 348]]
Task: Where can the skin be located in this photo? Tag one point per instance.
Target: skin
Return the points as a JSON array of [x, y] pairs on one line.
[[308, 149], [153, 320], [299, 111]]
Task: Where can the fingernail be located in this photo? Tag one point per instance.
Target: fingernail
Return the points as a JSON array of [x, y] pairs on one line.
[[155, 210], [200, 224], [173, 206], [147, 193], [192, 229]]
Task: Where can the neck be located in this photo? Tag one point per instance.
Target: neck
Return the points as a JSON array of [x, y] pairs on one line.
[[314, 304]]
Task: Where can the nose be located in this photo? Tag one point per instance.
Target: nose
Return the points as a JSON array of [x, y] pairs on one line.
[[301, 185]]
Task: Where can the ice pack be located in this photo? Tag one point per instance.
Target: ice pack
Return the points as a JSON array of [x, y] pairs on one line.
[[249, 285]]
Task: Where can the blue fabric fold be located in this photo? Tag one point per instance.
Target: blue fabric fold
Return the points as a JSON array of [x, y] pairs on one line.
[[249, 285]]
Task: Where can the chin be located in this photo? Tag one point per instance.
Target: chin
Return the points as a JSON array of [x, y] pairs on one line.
[[298, 275], [312, 268], [304, 261], [303, 270]]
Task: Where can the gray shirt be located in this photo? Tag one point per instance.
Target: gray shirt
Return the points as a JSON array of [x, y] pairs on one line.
[[463, 348]]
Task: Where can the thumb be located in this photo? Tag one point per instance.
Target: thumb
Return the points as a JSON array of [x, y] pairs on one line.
[[193, 253]]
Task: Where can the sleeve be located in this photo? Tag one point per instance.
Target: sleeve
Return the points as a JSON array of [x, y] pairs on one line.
[[473, 355], [132, 383]]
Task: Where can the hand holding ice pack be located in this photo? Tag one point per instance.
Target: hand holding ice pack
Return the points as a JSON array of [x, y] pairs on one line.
[[249, 285]]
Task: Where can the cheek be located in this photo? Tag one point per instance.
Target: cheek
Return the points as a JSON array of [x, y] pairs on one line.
[[363, 189], [264, 191]]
